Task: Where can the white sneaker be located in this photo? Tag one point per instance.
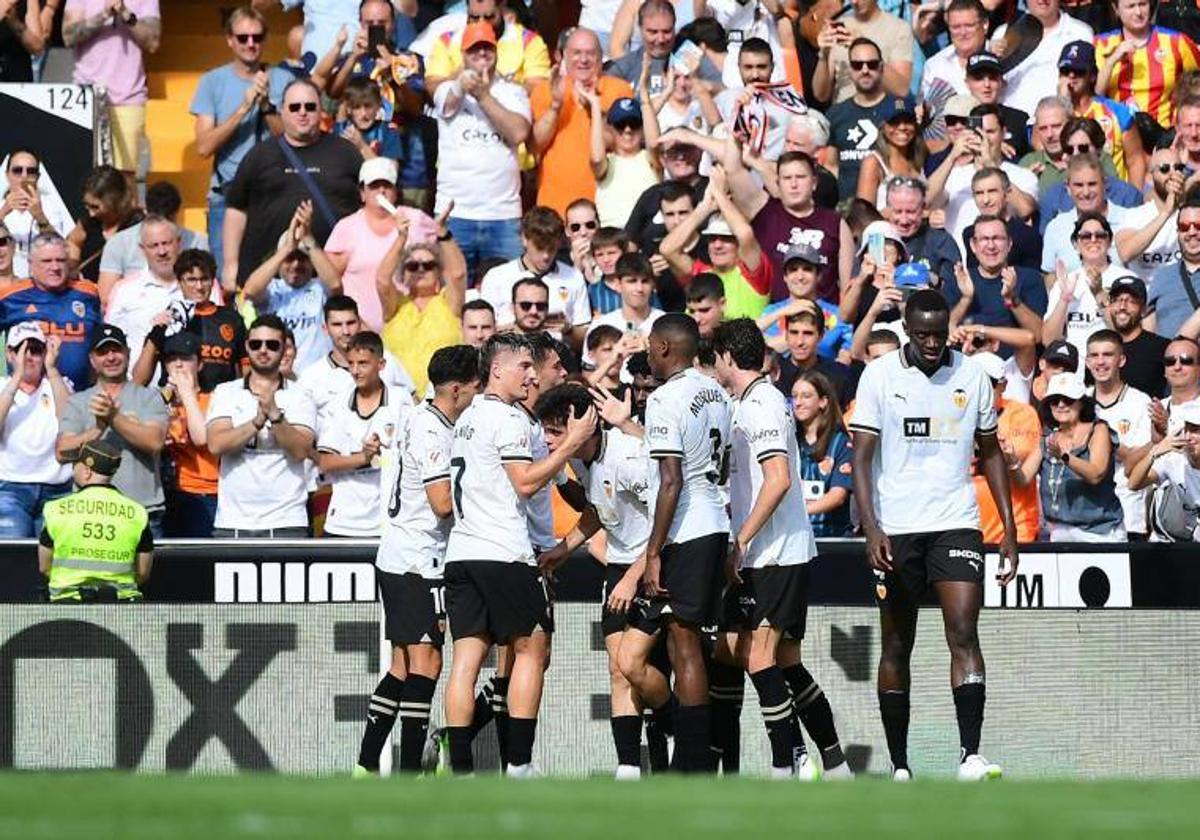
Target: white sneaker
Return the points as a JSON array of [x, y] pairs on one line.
[[781, 773], [807, 769], [840, 773], [628, 773], [901, 775], [976, 768], [520, 771]]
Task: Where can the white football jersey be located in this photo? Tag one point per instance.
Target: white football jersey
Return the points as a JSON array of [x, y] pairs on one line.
[[619, 484], [540, 507], [414, 538], [490, 517], [688, 418], [354, 505], [763, 428], [926, 427], [1129, 416]]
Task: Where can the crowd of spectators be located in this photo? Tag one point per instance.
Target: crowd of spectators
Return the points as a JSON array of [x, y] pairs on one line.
[[418, 175]]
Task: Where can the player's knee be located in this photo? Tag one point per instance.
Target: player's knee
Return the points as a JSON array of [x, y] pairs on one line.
[[895, 650], [962, 636]]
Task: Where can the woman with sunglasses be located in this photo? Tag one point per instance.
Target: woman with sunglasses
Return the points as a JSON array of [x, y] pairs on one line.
[[110, 207], [421, 288], [825, 454], [1076, 467], [1077, 300], [8, 247], [899, 151]]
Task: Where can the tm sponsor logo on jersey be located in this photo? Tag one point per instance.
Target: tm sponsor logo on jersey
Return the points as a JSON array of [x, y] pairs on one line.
[[933, 429]]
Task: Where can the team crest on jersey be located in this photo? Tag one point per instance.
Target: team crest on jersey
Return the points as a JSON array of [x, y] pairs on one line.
[[959, 398], [77, 308], [226, 332], [563, 293], [608, 489], [45, 400], [1123, 427]]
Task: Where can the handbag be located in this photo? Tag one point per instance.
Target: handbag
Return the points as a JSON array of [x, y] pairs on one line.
[[1172, 516]]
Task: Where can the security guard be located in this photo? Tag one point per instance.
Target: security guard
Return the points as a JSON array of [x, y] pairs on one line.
[[96, 545]]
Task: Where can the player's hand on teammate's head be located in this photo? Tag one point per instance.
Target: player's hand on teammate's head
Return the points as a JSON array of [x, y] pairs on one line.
[[580, 428]]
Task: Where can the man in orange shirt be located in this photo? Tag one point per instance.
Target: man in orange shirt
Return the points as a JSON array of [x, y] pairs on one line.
[[561, 127], [1020, 434], [193, 494]]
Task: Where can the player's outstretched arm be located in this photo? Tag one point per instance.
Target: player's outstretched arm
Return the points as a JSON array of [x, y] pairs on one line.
[[995, 470], [879, 549]]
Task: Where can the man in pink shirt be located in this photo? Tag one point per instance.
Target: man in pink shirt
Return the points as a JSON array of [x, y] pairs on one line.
[[359, 242], [109, 37]]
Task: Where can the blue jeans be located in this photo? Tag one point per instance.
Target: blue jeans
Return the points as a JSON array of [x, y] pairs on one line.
[[216, 221], [495, 240], [21, 507], [190, 515]]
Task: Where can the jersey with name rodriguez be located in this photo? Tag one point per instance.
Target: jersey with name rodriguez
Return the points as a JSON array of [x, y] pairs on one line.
[[414, 537], [619, 484], [688, 418], [927, 427], [490, 517], [763, 428]]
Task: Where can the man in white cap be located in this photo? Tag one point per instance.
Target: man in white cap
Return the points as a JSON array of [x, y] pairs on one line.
[[31, 401]]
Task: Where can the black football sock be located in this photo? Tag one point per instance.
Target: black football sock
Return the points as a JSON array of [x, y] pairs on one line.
[[483, 713], [521, 732], [775, 701], [462, 760], [726, 692], [415, 703], [657, 752], [627, 738], [968, 706], [381, 717], [894, 709], [693, 747], [500, 710], [812, 707]]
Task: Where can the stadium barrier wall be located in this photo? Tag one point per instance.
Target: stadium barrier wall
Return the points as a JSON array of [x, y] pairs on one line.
[[219, 688]]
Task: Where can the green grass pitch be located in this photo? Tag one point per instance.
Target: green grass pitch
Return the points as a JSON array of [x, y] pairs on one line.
[[105, 804]]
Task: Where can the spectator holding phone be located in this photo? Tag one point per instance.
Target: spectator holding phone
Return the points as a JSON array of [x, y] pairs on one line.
[[832, 77]]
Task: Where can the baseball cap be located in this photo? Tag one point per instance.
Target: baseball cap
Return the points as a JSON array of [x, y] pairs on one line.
[[107, 334], [100, 455], [1063, 353], [717, 226], [903, 107], [480, 32], [25, 331], [911, 275], [803, 252], [959, 105], [983, 62], [1077, 55], [1128, 285], [624, 110], [183, 343], [992, 365], [885, 228], [1065, 385], [1188, 412], [378, 169]]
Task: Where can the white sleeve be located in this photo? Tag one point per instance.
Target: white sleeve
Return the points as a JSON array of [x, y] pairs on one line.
[[512, 439], [664, 430], [987, 419], [1140, 428], [868, 402], [221, 405], [301, 410], [512, 97], [332, 437], [764, 432], [581, 306], [432, 454]]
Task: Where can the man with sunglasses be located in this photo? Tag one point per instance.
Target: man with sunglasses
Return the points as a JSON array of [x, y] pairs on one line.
[[32, 398], [1077, 83], [855, 123], [1085, 186], [131, 417], [1148, 237], [267, 187], [235, 106], [262, 427], [23, 209], [1175, 289], [1143, 350], [530, 304], [1181, 363]]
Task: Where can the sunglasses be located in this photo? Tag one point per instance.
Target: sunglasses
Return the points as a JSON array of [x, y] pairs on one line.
[[272, 344], [195, 278], [1186, 361], [575, 227], [1165, 168], [1091, 235], [526, 305], [33, 347], [865, 64], [420, 265], [31, 171], [1187, 227], [5, 241], [1059, 399], [295, 107], [952, 121], [1071, 72], [1081, 149], [250, 37]]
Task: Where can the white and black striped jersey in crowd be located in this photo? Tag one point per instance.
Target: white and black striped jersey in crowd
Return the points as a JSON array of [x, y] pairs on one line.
[[540, 506], [325, 381], [1129, 416], [763, 428], [490, 517], [414, 537], [619, 484], [926, 427], [354, 505], [687, 417]]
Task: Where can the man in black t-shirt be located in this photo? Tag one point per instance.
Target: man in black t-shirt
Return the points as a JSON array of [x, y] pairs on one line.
[[1143, 349], [266, 190]]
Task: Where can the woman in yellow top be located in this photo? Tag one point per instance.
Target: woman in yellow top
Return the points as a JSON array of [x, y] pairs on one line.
[[422, 288]]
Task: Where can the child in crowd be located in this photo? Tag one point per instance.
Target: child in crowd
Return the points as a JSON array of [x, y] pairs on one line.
[[632, 166], [364, 125], [607, 246]]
